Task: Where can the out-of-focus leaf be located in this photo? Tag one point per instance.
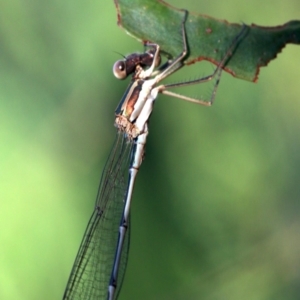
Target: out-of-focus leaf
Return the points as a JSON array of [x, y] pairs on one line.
[[208, 38]]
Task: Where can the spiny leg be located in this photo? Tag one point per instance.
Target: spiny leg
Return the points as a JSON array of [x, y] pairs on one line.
[[171, 65], [149, 72], [177, 63], [217, 73]]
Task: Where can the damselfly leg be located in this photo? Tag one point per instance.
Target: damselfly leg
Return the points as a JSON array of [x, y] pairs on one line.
[[172, 66], [216, 74]]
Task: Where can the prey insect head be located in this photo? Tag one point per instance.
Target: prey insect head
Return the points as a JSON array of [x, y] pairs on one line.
[[124, 67]]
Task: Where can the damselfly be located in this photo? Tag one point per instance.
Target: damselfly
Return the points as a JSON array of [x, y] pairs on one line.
[[99, 267]]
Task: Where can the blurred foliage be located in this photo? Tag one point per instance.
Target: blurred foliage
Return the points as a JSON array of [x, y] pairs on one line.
[[216, 207]]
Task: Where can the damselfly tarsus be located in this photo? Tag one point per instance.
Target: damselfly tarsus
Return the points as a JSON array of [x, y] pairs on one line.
[[100, 264]]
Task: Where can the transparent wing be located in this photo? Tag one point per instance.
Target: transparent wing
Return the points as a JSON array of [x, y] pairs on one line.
[[92, 268]]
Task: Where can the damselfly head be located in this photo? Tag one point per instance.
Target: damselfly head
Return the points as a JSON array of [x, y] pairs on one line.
[[124, 67]]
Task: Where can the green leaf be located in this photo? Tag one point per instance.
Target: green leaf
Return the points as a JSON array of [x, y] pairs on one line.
[[208, 38]]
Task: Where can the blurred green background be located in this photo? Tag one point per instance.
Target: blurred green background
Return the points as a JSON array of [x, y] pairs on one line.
[[216, 210]]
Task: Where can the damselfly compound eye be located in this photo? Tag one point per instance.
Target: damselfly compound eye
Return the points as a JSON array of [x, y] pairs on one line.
[[119, 69]]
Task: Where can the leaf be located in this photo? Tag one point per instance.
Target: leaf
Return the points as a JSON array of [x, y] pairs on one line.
[[208, 38]]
